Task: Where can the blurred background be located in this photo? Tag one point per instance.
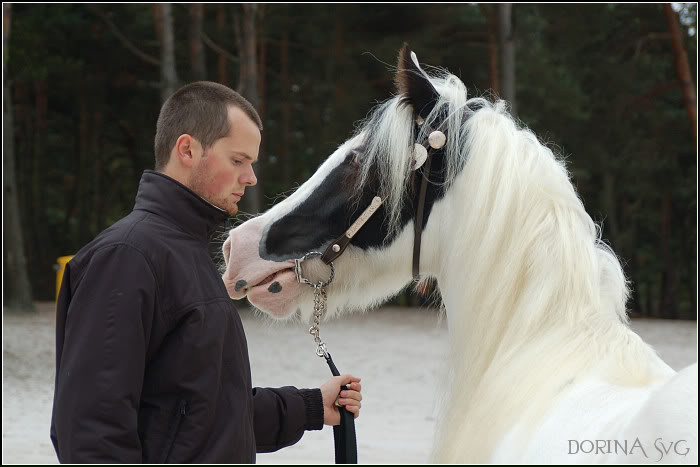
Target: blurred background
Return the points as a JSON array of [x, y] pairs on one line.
[[611, 87]]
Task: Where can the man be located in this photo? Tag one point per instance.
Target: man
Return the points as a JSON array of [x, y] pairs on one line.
[[151, 359]]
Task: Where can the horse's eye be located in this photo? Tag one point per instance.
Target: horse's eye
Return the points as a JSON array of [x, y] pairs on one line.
[[355, 159]]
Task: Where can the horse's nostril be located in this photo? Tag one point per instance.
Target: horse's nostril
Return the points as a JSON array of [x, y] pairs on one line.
[[240, 285]]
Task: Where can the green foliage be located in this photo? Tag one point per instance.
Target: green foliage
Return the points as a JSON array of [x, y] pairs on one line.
[[596, 82]]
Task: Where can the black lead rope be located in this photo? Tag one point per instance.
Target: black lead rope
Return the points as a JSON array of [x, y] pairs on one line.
[[344, 434]]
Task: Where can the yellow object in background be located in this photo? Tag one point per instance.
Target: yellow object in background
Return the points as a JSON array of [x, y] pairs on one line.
[[60, 267]]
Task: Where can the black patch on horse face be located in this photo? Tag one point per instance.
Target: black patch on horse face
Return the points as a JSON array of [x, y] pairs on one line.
[[275, 287], [329, 211], [240, 285], [318, 220]]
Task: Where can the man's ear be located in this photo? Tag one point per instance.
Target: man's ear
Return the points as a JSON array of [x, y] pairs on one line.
[[186, 150], [413, 83]]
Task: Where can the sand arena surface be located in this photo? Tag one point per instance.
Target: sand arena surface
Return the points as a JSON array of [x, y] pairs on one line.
[[398, 353]]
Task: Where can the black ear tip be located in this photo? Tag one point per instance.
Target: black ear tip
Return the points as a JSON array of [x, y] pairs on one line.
[[404, 55], [413, 83]]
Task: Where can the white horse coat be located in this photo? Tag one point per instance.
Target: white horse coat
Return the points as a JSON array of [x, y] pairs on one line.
[[544, 367]]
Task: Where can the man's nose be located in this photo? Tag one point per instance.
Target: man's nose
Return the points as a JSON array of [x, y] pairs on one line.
[[249, 178]]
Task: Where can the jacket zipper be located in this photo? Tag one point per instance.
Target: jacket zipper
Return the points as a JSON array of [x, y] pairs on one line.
[[182, 411]]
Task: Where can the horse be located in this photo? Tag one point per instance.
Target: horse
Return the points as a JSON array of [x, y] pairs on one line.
[[543, 366]]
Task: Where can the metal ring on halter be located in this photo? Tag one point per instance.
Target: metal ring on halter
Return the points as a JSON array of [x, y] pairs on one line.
[[300, 276]]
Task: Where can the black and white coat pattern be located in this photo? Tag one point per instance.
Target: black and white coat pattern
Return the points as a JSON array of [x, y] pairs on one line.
[[540, 348]]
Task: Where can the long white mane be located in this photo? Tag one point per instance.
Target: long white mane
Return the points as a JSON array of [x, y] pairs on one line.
[[525, 276]]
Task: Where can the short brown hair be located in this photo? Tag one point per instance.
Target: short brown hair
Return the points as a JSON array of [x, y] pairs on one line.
[[199, 109]]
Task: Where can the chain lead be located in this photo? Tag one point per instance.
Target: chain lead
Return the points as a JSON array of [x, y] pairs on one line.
[[320, 301]]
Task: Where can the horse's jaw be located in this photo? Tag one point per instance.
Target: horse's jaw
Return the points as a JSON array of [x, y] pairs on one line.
[[363, 279]]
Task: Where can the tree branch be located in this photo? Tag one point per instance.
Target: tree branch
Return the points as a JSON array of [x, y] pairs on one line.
[[122, 38], [218, 49]]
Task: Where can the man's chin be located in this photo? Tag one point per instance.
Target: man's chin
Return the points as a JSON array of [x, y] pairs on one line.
[[230, 208]]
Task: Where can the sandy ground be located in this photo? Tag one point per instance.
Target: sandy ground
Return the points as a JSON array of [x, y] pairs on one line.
[[397, 352]]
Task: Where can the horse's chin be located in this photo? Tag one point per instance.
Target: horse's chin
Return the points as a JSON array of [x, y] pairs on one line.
[[278, 299]]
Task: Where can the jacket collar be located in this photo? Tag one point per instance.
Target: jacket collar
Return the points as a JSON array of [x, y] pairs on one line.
[[168, 198]]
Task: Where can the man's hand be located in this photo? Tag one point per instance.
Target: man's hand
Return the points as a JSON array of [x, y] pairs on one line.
[[350, 398]]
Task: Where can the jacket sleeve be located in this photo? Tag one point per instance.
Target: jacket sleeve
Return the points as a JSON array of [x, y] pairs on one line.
[[283, 414], [101, 336]]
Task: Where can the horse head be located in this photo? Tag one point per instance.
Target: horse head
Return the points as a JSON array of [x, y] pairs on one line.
[[382, 159]]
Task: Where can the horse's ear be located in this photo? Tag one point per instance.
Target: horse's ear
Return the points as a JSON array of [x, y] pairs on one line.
[[413, 83]]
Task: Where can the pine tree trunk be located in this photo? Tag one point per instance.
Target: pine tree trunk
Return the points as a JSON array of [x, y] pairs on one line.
[[18, 293], [23, 142], [489, 13], [689, 98], [84, 174], [38, 185], [507, 45], [286, 109], [340, 61], [199, 72], [26, 184], [164, 25], [248, 78], [262, 164], [97, 152], [248, 88], [669, 285], [220, 24], [262, 63], [683, 70]]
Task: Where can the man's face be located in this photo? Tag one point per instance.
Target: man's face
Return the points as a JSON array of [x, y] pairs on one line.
[[225, 169]]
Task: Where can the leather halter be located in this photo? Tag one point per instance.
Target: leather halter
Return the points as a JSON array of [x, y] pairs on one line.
[[418, 225], [338, 246]]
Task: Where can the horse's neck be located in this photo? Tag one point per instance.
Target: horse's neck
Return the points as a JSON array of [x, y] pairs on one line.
[[510, 364], [531, 285], [497, 343], [535, 304]]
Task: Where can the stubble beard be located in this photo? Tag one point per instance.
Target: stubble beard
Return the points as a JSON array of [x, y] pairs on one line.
[[199, 184]]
